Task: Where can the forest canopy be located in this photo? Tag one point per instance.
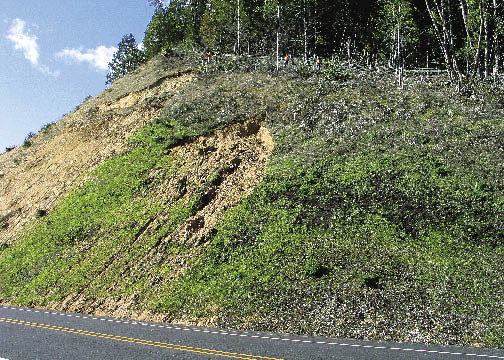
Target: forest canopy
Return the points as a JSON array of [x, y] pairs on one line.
[[463, 37]]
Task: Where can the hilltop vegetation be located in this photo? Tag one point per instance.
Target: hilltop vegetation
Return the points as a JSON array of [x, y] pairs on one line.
[[379, 213], [464, 37]]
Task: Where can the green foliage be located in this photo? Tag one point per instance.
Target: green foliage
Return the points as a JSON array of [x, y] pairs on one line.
[[47, 127], [333, 71], [27, 142], [127, 58], [40, 213], [367, 221], [379, 32], [166, 29], [103, 215], [376, 203]]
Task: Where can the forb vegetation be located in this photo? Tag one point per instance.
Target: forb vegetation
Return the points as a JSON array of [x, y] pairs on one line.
[[381, 215]]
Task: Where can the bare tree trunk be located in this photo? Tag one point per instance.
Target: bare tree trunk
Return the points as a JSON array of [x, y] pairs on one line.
[[315, 28], [278, 38], [399, 57], [463, 6], [488, 43], [442, 22], [469, 43], [449, 34], [496, 41], [305, 32], [476, 62], [238, 26], [440, 36]]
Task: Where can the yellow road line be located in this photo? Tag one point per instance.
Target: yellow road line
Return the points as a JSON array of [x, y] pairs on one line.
[[138, 341]]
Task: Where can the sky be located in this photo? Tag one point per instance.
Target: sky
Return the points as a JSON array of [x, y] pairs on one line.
[[54, 53]]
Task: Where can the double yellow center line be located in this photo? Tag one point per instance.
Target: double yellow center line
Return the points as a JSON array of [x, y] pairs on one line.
[[137, 341]]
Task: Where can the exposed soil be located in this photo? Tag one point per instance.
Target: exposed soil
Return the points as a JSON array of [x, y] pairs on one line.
[[34, 178], [224, 167]]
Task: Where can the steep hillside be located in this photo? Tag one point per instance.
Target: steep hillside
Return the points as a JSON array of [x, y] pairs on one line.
[[291, 203], [35, 176]]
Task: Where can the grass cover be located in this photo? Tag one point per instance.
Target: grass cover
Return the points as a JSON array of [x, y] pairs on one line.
[[381, 215]]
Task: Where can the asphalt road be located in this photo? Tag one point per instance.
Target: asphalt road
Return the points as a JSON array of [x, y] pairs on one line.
[[40, 334]]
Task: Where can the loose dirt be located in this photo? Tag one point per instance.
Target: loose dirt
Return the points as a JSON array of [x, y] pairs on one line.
[[224, 167], [34, 178]]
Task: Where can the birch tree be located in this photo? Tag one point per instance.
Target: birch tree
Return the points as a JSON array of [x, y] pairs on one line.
[[441, 13], [399, 31], [272, 11]]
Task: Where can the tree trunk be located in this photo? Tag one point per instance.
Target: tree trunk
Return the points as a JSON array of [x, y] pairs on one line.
[[238, 27], [278, 38], [399, 57], [469, 43], [496, 41], [463, 6], [476, 62], [440, 36], [305, 30], [444, 33], [488, 45], [315, 29]]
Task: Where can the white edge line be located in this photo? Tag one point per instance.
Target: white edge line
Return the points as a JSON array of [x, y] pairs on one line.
[[265, 337]]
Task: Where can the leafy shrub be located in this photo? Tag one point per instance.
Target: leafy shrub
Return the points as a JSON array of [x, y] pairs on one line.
[[47, 127], [27, 143], [332, 70]]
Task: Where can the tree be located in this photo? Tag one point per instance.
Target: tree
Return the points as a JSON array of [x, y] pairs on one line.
[[498, 18], [442, 15], [398, 32], [469, 31], [166, 29], [125, 59], [192, 24], [272, 12]]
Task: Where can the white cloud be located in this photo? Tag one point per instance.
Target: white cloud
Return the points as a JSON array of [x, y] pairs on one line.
[[27, 43], [24, 41], [98, 57], [44, 69]]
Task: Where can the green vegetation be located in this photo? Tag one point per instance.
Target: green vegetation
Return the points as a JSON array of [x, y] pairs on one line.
[[463, 37], [125, 59], [381, 215], [47, 127], [379, 211], [40, 213], [27, 142]]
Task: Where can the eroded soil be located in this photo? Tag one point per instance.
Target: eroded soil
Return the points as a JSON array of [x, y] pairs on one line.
[[221, 168], [34, 178]]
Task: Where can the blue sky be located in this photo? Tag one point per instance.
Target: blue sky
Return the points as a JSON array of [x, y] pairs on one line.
[[54, 53]]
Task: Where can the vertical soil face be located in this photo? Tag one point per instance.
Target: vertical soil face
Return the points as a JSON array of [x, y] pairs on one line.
[[33, 178]]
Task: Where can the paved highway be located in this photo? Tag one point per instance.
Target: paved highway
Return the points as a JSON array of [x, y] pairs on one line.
[[40, 334]]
